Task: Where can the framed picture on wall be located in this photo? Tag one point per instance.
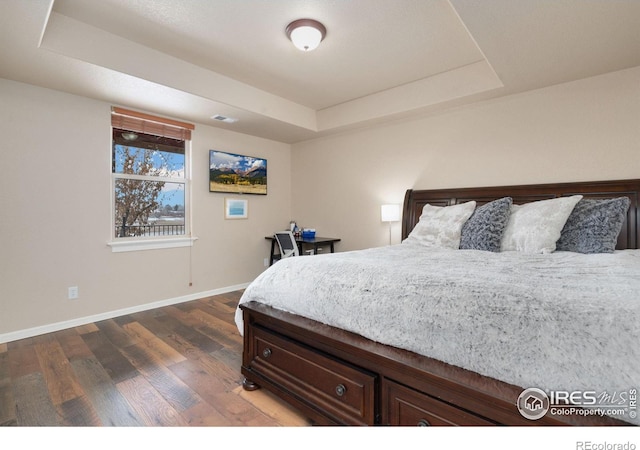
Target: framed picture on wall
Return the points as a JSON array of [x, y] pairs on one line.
[[235, 208], [237, 174]]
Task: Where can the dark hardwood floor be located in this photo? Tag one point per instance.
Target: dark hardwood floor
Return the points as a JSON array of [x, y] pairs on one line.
[[173, 366]]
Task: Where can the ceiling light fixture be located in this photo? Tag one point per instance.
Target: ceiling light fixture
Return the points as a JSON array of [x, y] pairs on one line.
[[129, 136], [306, 34]]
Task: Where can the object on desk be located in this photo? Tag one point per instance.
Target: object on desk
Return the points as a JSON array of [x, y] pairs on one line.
[[287, 244], [308, 233], [318, 244], [292, 226]]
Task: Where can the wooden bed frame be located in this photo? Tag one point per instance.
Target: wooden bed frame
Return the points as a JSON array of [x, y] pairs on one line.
[[337, 377]]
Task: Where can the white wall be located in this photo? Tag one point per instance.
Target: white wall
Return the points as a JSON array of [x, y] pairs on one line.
[[55, 216], [55, 188], [578, 131]]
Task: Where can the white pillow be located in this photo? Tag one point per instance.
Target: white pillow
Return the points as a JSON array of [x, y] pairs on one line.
[[535, 227], [441, 226]]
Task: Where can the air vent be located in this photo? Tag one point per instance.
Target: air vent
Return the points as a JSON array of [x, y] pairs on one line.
[[221, 118]]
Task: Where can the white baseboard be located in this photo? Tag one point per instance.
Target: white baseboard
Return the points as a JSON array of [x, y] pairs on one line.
[[37, 331]]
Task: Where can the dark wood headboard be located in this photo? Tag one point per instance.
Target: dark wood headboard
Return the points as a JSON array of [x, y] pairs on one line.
[[415, 200]]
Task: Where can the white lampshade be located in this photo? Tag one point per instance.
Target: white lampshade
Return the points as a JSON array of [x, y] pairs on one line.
[[306, 38], [306, 34], [390, 213]]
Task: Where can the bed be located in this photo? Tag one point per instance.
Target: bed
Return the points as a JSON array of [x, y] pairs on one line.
[[416, 334]]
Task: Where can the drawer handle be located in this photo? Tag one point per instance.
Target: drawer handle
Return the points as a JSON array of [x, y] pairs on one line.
[[340, 390], [266, 352], [423, 423]]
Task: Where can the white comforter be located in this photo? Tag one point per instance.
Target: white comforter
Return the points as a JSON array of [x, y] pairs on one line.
[[561, 321]]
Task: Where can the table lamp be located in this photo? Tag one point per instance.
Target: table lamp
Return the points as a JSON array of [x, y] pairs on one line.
[[390, 214]]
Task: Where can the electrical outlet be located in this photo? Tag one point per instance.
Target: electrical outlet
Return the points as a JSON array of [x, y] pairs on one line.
[[266, 262], [73, 292]]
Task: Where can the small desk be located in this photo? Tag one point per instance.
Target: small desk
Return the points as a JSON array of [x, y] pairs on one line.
[[316, 242]]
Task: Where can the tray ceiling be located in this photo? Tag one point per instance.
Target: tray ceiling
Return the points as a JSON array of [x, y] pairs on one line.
[[380, 60]]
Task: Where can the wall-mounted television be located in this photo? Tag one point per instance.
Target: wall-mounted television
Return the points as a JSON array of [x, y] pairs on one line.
[[237, 174]]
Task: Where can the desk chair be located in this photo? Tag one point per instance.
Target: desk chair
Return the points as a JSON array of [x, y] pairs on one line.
[[287, 244]]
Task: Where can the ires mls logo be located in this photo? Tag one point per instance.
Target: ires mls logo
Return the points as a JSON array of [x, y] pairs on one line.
[[534, 403]]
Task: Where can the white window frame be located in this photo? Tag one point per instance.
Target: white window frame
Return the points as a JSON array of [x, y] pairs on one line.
[[138, 243]]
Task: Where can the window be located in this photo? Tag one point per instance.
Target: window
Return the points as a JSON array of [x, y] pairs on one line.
[[150, 181]]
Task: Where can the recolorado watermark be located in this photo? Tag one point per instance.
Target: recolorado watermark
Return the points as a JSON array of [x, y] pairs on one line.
[[589, 445], [534, 403]]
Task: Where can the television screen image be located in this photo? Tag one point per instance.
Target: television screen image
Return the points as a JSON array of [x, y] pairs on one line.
[[237, 174]]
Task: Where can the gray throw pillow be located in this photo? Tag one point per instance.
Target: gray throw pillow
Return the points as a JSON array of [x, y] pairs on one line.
[[594, 226], [484, 229]]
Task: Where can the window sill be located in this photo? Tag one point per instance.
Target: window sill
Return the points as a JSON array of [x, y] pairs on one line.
[[150, 244]]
